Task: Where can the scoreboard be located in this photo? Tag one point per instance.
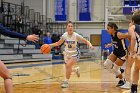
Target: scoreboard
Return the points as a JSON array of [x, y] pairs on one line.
[[130, 6]]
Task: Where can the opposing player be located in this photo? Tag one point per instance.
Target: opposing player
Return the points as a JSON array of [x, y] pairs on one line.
[[117, 58], [4, 73], [71, 51], [134, 32], [130, 59]]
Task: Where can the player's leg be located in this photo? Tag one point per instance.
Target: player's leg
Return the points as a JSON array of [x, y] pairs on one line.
[[70, 62], [135, 77], [5, 74], [69, 65], [135, 80], [129, 64], [116, 66], [109, 61], [76, 68]]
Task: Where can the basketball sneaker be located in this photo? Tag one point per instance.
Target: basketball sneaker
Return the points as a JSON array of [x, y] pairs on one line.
[[126, 85], [64, 84], [120, 83], [134, 88], [77, 71]]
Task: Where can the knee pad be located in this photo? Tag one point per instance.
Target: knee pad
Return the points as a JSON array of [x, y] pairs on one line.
[[116, 70], [108, 64]]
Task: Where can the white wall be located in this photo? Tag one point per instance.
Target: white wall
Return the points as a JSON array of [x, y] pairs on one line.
[[98, 8], [72, 11], [88, 32], [50, 8], [35, 4]]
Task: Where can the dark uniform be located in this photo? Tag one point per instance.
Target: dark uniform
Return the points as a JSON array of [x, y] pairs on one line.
[[137, 30], [120, 49], [7, 32], [137, 50]]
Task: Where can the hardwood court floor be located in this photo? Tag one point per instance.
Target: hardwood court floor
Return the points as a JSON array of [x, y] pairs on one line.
[[40, 77]]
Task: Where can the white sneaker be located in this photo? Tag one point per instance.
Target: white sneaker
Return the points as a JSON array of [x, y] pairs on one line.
[[126, 85], [78, 71], [65, 84]]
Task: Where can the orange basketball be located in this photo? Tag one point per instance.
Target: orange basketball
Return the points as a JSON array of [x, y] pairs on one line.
[[45, 49]]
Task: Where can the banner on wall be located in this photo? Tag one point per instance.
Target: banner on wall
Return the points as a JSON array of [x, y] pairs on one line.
[[84, 9], [128, 10], [60, 10]]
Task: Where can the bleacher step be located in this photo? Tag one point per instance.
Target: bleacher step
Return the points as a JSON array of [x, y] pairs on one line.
[[48, 56], [16, 46], [12, 41], [27, 46], [29, 51], [11, 57], [6, 51], [27, 60], [11, 54]]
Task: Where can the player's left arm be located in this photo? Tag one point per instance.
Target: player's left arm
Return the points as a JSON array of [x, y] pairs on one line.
[[132, 39], [80, 38], [123, 35]]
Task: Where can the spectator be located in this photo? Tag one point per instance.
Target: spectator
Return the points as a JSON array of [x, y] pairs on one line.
[[54, 38], [47, 38], [19, 24], [36, 30]]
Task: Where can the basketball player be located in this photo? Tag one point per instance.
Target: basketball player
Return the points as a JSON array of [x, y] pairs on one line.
[[4, 73], [71, 51], [130, 61], [129, 64], [118, 56], [134, 53]]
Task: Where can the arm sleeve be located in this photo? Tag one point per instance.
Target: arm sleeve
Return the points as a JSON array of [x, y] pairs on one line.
[[10, 33]]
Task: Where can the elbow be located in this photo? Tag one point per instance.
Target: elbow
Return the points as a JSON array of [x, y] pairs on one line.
[[86, 42], [133, 39], [57, 44]]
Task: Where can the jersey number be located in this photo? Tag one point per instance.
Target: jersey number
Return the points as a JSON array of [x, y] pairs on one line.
[[69, 46]]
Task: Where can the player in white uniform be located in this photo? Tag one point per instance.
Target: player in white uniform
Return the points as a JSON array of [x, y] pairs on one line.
[[71, 51]]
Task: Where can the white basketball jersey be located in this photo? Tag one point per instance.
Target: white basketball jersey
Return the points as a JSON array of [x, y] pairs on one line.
[[71, 41]]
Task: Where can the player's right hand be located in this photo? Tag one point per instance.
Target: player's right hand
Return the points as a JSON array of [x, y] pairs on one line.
[[32, 38]]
